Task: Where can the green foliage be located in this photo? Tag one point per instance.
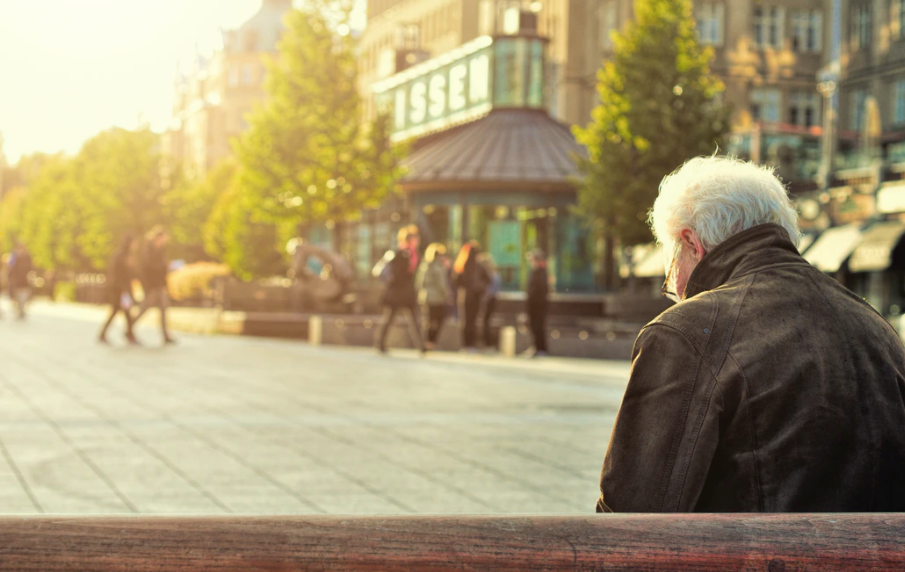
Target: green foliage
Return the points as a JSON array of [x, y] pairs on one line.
[[251, 248], [64, 292], [10, 218], [659, 106], [306, 157], [194, 280], [189, 204], [73, 210]]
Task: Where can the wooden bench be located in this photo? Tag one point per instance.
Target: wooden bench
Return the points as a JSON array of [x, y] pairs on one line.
[[772, 543]]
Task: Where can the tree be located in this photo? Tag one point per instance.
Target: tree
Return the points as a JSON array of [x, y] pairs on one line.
[[188, 205], [659, 106], [306, 157], [250, 249], [118, 174], [53, 216]]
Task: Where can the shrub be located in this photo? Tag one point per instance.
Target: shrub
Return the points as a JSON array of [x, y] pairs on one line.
[[193, 281], [64, 292]]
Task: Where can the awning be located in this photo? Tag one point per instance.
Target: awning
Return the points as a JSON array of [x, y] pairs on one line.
[[516, 149], [833, 247], [874, 254]]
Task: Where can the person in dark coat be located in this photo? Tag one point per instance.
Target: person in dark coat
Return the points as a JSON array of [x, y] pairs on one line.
[[120, 274], [398, 269], [472, 281], [20, 266], [153, 270], [490, 294], [768, 386], [537, 305]]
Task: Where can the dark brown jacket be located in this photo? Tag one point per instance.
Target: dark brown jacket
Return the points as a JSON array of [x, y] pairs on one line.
[[771, 388]]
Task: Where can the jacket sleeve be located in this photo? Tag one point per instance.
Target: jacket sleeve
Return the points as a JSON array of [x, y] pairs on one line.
[[666, 431]]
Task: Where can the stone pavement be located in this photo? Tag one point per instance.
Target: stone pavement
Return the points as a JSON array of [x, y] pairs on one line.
[[222, 425]]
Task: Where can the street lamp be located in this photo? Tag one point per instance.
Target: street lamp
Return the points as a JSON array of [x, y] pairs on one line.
[[827, 88]]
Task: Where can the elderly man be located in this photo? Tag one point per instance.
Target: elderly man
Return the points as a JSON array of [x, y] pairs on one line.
[[768, 387]]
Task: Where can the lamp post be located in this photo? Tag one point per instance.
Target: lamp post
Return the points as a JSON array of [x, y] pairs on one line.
[[828, 84]]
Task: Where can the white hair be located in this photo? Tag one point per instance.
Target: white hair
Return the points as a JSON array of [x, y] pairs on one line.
[[718, 197]]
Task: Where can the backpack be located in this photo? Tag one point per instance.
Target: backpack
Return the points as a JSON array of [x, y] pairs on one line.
[[383, 270]]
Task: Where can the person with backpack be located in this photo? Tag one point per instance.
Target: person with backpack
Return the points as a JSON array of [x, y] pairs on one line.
[[472, 281], [434, 291], [397, 271]]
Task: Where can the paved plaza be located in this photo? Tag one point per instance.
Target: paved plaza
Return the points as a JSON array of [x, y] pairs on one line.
[[221, 425]]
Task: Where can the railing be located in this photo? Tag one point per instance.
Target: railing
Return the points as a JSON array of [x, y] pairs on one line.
[[772, 543]]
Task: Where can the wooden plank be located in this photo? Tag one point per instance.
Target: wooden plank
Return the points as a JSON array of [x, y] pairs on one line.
[[772, 543]]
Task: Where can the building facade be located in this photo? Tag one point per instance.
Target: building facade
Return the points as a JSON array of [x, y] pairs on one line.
[[768, 53], [214, 97]]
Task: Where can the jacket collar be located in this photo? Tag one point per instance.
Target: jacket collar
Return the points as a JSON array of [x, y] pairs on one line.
[[746, 252]]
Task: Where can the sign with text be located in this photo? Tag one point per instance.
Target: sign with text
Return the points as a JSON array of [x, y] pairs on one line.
[[444, 91]]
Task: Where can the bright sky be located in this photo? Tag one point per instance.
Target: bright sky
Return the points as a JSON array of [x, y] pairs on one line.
[[71, 68]]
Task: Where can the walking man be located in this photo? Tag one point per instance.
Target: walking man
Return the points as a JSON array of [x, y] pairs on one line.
[[20, 266], [153, 276], [398, 271], [120, 273], [768, 387], [538, 290]]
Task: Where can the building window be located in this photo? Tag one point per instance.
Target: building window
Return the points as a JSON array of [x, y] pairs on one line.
[[856, 109], [248, 74], [804, 108], [807, 28], [251, 41], [897, 18], [607, 22], [765, 105], [709, 18], [769, 24], [862, 27], [898, 102]]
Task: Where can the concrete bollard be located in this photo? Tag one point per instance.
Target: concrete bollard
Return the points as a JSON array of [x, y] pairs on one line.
[[315, 330], [507, 341]]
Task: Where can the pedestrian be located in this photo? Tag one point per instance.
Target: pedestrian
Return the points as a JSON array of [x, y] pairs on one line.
[[433, 291], [768, 386], [489, 303], [153, 269], [537, 304], [120, 273], [20, 266], [397, 270], [471, 281]]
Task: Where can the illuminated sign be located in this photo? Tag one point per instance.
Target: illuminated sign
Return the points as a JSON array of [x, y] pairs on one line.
[[463, 84]]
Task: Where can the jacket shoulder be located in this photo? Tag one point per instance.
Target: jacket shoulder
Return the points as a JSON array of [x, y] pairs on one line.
[[699, 321]]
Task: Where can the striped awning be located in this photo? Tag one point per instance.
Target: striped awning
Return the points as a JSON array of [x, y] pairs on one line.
[[830, 251]]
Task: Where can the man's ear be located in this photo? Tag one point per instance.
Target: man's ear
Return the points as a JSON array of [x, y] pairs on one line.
[[692, 243]]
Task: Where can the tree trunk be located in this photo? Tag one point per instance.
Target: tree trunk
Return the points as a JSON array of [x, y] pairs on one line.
[[609, 264], [338, 237]]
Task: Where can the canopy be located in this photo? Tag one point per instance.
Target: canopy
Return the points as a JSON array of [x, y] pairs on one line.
[[833, 247], [520, 149], [874, 254]]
